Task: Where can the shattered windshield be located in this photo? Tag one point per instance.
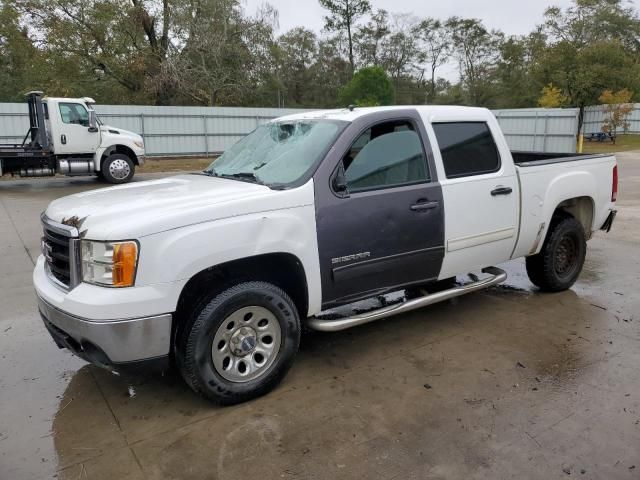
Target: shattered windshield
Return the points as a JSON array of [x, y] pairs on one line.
[[277, 153]]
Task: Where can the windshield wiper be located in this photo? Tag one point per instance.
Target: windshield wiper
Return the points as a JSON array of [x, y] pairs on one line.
[[244, 176]]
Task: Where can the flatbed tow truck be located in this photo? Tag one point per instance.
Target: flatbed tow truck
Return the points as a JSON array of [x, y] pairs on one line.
[[66, 137]]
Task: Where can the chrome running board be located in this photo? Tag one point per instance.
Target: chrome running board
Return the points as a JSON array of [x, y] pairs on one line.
[[335, 325]]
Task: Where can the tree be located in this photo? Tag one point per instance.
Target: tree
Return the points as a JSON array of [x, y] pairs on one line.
[[343, 15], [222, 58], [399, 50], [434, 45], [617, 108], [211, 52], [369, 86], [297, 53], [477, 51], [158, 51], [22, 67], [368, 39], [448, 93], [551, 97], [516, 86], [591, 21], [593, 45], [583, 74], [125, 41]]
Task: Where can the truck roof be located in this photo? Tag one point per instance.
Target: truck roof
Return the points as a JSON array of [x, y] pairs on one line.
[[349, 115], [67, 99]]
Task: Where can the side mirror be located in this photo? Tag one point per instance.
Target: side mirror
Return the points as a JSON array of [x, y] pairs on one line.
[[93, 121], [340, 182]]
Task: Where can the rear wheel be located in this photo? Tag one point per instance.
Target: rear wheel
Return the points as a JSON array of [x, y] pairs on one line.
[[117, 168], [239, 344], [561, 258]]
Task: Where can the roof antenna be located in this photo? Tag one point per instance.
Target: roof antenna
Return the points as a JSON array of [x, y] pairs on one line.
[[352, 107]]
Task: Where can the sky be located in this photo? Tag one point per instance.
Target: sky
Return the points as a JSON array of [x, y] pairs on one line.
[[513, 17]]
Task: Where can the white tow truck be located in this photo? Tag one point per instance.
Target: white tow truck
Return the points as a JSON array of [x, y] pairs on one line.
[[219, 270], [65, 136]]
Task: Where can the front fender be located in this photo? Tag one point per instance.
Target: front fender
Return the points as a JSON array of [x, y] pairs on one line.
[[179, 254]]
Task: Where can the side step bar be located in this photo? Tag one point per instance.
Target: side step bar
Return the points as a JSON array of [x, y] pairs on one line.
[[497, 276]]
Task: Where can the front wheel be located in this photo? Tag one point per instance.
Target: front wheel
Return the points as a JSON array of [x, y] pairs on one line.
[[240, 344], [117, 168], [561, 258]]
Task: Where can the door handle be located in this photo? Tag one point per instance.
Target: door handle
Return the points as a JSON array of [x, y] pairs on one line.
[[416, 207], [63, 139], [501, 191]]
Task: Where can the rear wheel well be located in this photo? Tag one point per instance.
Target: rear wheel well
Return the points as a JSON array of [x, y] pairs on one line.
[[580, 208], [281, 269], [124, 150]]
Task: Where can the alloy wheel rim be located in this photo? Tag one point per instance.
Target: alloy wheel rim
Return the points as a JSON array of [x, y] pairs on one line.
[[246, 344]]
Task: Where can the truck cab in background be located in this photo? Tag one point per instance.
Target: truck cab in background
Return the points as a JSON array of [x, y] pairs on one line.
[[66, 136]]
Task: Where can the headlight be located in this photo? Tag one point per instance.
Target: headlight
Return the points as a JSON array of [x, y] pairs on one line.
[[138, 143], [111, 264]]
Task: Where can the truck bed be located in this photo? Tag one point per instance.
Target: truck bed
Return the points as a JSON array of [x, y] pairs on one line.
[[559, 177], [10, 151], [530, 159]]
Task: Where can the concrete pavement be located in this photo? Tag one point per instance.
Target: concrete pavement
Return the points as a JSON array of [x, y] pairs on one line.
[[506, 383]]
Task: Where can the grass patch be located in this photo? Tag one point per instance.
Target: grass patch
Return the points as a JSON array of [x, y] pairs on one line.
[[152, 165], [623, 143]]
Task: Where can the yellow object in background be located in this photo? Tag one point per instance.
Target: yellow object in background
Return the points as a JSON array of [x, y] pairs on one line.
[[580, 142]]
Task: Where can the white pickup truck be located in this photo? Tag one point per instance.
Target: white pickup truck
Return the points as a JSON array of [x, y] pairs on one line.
[[219, 270], [66, 136]]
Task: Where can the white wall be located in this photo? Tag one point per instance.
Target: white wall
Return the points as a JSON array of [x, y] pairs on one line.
[[177, 131], [594, 118]]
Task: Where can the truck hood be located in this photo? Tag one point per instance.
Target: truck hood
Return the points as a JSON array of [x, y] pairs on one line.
[[108, 129], [111, 135], [143, 208]]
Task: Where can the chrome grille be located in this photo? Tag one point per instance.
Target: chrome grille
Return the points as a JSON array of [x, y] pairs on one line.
[[60, 247]]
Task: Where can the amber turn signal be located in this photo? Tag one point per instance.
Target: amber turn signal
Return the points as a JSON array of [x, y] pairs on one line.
[[125, 257]]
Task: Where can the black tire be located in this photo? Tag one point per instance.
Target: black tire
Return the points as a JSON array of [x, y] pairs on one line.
[[117, 168], [561, 258], [194, 345]]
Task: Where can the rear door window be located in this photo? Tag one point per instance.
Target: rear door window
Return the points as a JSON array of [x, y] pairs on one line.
[[467, 148]]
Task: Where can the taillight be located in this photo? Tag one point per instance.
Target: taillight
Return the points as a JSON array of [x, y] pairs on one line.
[[614, 187]]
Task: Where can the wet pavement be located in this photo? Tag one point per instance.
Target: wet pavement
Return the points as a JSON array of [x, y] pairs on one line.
[[505, 383]]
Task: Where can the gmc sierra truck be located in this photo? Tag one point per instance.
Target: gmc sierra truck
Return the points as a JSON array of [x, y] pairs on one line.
[[66, 136], [220, 270]]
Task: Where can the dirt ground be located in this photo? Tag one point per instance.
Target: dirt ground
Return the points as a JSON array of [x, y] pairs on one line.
[[153, 165], [504, 383]]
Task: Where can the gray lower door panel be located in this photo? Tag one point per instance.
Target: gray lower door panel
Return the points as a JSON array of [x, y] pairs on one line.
[[378, 240]]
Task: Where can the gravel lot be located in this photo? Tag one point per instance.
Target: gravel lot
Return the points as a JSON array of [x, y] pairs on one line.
[[505, 383]]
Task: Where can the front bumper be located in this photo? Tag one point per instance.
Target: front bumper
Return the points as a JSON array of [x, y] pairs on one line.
[[112, 343]]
